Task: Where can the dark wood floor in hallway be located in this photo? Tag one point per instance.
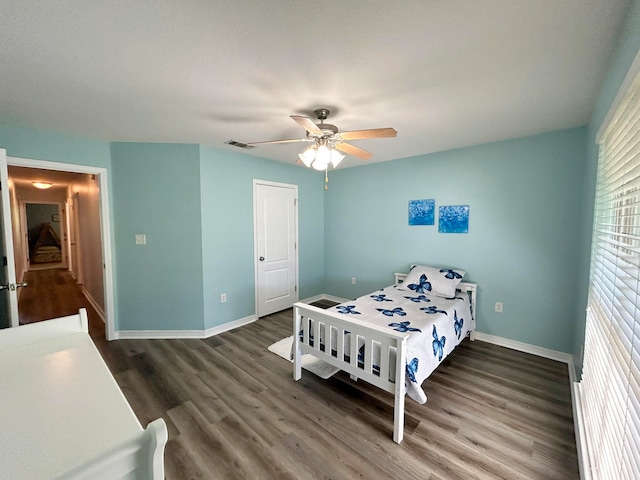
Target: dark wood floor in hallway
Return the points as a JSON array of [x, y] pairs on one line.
[[54, 293], [234, 411]]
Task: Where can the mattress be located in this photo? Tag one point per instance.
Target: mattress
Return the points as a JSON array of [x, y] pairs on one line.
[[435, 325]]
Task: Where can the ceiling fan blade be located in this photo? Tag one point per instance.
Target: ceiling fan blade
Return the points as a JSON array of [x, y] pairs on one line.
[[293, 140], [371, 133], [353, 150], [307, 124]]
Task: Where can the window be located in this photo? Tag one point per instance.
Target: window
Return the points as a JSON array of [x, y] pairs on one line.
[[610, 385]]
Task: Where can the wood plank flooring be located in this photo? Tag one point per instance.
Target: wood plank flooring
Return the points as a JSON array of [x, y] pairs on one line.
[[234, 411], [49, 294]]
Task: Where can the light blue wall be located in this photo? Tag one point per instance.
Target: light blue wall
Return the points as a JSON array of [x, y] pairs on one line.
[[27, 142], [157, 193], [524, 197], [226, 184], [527, 198], [623, 55], [195, 206]]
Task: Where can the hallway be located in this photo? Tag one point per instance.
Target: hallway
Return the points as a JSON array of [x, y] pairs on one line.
[[54, 293]]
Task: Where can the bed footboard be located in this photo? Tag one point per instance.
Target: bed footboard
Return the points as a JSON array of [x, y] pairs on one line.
[[361, 349]]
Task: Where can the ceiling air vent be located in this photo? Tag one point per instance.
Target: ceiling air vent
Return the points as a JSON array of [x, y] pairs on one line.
[[240, 144]]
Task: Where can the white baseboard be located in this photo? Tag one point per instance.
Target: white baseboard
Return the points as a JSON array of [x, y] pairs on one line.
[[99, 310], [169, 334], [325, 296], [579, 428], [527, 348], [210, 332]]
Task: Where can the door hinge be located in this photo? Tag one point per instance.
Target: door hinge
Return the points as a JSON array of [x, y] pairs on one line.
[[295, 202], [295, 288]]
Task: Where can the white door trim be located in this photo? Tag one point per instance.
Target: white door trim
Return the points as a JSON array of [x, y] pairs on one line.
[[257, 182], [7, 231], [107, 258]]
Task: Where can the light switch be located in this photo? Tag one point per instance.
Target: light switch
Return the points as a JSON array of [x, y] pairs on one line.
[[141, 239]]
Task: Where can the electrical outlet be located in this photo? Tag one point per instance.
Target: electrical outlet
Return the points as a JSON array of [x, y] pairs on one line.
[[353, 280], [499, 307], [141, 239], [223, 298]]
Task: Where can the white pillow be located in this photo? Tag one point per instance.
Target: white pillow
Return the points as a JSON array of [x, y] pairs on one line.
[[435, 281]]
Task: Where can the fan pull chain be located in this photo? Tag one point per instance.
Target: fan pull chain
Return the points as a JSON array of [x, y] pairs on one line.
[[326, 179]]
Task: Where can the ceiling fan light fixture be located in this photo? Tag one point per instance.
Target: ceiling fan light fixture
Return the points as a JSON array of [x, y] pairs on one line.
[[308, 156], [42, 185], [336, 158], [323, 157], [325, 137], [320, 156], [317, 165]]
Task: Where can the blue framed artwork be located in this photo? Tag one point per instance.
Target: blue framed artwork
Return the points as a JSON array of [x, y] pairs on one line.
[[454, 219], [422, 212]]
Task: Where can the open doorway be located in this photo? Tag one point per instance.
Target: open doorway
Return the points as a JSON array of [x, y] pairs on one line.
[[78, 230], [44, 230]]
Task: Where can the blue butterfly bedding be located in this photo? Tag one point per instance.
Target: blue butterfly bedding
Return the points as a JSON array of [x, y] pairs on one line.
[[436, 325]]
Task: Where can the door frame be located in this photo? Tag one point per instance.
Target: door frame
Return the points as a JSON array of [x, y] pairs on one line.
[[75, 257], [101, 174], [256, 285], [11, 279]]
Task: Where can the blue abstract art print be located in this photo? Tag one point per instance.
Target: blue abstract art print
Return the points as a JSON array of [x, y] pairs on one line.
[[454, 219], [422, 212]]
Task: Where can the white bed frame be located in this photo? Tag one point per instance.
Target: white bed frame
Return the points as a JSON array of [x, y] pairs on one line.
[[63, 415], [388, 339]]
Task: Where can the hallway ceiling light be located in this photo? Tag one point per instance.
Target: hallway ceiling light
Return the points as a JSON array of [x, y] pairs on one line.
[[42, 185]]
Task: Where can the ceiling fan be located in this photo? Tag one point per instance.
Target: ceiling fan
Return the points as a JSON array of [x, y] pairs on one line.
[[328, 141]]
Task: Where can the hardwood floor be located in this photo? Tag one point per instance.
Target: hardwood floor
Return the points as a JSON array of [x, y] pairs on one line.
[[53, 293], [234, 411]]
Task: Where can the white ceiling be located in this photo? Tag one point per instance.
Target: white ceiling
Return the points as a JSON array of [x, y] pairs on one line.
[[444, 73]]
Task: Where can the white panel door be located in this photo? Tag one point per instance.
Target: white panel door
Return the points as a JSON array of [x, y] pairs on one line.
[[8, 293], [276, 256]]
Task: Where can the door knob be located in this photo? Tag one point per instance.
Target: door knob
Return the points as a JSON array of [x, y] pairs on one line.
[[261, 259], [12, 286]]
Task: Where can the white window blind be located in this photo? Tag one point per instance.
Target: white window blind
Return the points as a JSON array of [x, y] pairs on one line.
[[610, 384]]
